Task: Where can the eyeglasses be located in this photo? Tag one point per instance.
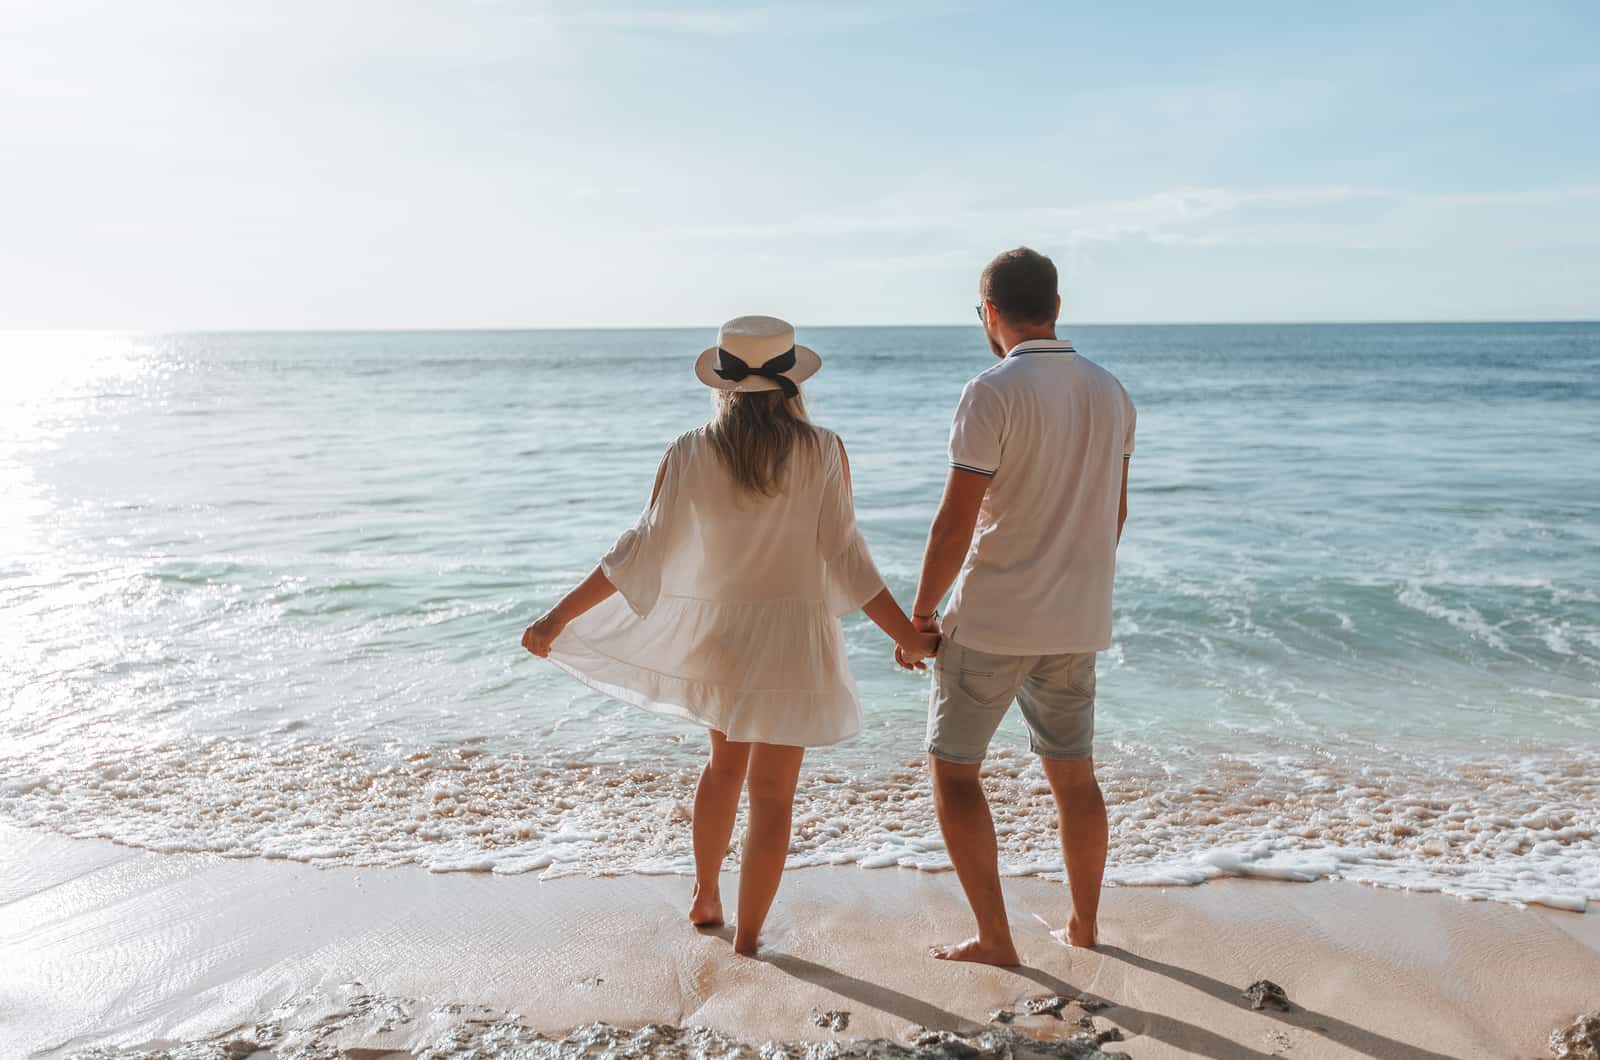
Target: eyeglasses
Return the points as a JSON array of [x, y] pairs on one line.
[[981, 318]]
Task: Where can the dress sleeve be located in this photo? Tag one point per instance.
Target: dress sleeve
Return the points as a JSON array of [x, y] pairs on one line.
[[634, 563], [1133, 419], [850, 576]]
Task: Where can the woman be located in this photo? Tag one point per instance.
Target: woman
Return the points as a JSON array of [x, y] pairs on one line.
[[722, 605]]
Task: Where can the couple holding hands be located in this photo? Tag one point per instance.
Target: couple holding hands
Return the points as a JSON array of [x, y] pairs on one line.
[[721, 605]]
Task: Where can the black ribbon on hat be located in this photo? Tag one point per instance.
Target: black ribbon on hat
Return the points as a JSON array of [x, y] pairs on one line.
[[733, 369]]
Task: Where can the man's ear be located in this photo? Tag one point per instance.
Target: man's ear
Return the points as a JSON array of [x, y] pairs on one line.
[[1058, 307]]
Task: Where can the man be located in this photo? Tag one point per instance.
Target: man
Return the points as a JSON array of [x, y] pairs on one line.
[[1027, 531]]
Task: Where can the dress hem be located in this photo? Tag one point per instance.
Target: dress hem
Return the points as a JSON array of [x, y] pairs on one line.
[[633, 698]]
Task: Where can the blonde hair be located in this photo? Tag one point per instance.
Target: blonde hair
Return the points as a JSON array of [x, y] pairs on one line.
[[755, 432]]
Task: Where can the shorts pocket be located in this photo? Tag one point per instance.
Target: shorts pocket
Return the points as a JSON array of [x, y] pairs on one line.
[[987, 685], [1081, 677]]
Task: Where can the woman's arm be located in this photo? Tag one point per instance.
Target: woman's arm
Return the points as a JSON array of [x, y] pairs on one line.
[[589, 593], [911, 645]]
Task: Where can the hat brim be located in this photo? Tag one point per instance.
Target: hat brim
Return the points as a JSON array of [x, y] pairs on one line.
[[806, 363]]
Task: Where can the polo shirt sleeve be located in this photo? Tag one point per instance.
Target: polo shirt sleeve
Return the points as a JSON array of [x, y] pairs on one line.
[[975, 435]]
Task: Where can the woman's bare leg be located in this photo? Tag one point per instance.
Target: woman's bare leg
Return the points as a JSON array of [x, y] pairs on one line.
[[774, 770], [716, 804]]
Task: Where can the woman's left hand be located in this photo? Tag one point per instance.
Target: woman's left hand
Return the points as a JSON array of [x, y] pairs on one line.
[[538, 637]]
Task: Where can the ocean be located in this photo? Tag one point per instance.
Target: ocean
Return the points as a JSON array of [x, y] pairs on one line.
[[261, 595]]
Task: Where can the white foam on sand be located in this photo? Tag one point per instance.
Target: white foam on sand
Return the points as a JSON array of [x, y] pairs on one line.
[[324, 1023], [1520, 830]]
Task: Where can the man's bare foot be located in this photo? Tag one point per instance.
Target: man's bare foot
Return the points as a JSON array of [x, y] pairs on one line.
[[1077, 934], [1003, 954], [745, 945], [705, 910]]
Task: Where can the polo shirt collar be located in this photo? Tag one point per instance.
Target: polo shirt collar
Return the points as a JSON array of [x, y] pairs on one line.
[[1041, 346]]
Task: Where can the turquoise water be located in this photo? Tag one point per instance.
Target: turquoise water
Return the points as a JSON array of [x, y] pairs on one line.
[[261, 594]]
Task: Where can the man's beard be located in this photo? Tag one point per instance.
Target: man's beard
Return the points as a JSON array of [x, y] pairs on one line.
[[994, 343]]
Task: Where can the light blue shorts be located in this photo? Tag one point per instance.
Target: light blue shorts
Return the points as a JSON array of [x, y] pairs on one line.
[[972, 690]]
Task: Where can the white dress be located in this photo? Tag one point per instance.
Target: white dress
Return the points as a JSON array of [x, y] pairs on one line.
[[728, 603]]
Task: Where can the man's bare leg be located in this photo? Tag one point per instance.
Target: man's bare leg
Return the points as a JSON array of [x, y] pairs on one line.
[[1081, 815], [716, 804], [968, 830]]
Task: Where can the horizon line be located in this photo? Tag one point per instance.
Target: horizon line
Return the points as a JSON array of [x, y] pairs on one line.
[[503, 329]]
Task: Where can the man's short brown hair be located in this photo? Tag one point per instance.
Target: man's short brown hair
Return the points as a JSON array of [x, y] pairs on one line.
[[1022, 285]]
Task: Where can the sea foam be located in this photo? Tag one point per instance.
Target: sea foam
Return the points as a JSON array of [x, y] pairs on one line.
[[1525, 832]]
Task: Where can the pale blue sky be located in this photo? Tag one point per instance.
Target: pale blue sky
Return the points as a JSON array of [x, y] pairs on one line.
[[167, 165]]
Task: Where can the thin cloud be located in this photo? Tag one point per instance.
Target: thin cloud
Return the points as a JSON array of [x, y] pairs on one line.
[[736, 21], [1181, 216]]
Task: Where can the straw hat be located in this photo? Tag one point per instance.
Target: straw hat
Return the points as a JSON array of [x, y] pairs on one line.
[[757, 353]]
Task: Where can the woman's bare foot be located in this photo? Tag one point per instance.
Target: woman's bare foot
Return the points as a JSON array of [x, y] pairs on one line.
[[1077, 934], [706, 909], [1003, 954], [745, 945]]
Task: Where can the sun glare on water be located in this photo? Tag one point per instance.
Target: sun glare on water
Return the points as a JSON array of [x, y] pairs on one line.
[[50, 384], [39, 365]]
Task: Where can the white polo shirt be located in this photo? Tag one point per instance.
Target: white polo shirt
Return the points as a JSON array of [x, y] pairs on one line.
[[1052, 429]]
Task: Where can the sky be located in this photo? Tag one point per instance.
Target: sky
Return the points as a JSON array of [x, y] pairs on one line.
[[170, 165]]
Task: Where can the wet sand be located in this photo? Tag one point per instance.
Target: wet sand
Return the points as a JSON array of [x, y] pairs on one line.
[[120, 948]]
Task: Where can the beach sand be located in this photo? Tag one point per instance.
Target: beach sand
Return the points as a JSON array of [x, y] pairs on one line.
[[123, 949]]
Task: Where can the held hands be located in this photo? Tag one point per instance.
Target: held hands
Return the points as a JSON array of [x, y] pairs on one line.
[[910, 655], [538, 637]]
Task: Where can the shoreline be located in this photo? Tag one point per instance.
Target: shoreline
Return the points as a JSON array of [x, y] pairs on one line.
[[1520, 831], [121, 949]]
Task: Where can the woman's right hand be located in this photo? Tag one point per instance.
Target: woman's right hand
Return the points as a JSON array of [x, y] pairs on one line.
[[538, 637]]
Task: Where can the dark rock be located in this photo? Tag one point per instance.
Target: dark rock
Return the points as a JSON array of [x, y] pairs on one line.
[[833, 1019], [1050, 1005], [944, 1043], [999, 1042], [1264, 993], [1088, 1032], [1580, 1041]]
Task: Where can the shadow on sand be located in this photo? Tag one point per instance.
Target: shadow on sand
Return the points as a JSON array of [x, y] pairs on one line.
[[1135, 1021], [1175, 1032], [883, 998], [1347, 1034], [871, 995]]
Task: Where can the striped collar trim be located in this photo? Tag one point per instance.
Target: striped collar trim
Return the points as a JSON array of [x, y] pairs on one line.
[[1041, 346]]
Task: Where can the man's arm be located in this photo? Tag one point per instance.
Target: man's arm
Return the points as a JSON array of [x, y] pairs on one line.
[[949, 539]]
